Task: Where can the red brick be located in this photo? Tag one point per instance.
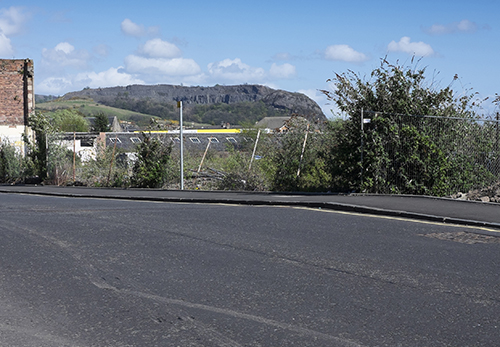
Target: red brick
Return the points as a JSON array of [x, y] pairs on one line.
[[17, 98]]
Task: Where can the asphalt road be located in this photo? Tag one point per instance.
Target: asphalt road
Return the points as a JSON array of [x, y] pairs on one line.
[[95, 272], [407, 206]]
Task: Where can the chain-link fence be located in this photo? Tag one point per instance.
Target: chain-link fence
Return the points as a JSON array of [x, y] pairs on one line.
[[382, 153], [428, 155]]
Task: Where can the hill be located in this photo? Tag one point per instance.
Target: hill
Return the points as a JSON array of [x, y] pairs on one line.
[[90, 108], [233, 104]]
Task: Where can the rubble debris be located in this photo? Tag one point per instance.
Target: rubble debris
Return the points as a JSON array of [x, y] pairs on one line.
[[487, 194]]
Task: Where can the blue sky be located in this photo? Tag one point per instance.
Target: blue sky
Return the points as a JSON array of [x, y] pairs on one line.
[[290, 45]]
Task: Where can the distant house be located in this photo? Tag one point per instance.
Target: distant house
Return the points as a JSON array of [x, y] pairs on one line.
[[86, 144], [17, 100], [280, 124], [272, 124], [195, 139]]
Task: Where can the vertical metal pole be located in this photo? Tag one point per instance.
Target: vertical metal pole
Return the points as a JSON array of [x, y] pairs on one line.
[[362, 131], [497, 160], [47, 157], [182, 147], [74, 156], [496, 128]]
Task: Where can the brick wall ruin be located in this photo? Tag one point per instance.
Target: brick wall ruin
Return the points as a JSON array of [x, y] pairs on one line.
[[17, 98]]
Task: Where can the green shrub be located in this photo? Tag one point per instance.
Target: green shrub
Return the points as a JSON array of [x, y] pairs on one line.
[[11, 164], [151, 167]]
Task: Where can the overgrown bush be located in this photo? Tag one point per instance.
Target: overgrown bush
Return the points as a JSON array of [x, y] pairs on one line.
[[298, 161], [151, 167], [238, 175], [395, 153], [60, 164], [37, 147], [11, 164], [109, 168]]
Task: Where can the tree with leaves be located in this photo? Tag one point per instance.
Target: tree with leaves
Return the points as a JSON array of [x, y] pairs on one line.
[[151, 169], [37, 152], [101, 123], [69, 120], [395, 153]]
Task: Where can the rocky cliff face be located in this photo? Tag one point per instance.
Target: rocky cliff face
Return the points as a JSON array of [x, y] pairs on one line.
[[293, 102]]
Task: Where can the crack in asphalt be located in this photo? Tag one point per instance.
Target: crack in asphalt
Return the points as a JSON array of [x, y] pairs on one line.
[[95, 277]]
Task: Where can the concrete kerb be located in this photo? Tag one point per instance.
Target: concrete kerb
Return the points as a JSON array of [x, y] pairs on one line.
[[334, 206]]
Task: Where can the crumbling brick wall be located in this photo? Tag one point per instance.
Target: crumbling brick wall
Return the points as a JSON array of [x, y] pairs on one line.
[[17, 99]]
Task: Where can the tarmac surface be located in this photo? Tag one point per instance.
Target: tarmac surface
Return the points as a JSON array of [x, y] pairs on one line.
[[88, 267], [445, 210]]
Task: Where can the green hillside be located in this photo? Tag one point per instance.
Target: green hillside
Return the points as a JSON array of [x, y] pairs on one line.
[[236, 105], [89, 108]]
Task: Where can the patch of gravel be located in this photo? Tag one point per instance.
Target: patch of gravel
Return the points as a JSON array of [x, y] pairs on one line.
[[488, 194]]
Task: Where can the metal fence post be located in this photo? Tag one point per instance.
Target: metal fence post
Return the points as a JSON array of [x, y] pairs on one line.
[[254, 148], [303, 149], [361, 161], [179, 105]]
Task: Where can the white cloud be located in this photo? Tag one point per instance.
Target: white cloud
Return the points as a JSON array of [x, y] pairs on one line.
[[344, 53], [235, 71], [109, 78], [12, 20], [64, 54], [54, 86], [130, 28], [282, 71], [405, 45], [159, 61], [64, 47], [464, 26], [157, 48], [154, 66], [6, 49]]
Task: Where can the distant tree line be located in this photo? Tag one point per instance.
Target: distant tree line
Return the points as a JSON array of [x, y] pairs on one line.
[[215, 114], [145, 106], [39, 99], [237, 113], [73, 120]]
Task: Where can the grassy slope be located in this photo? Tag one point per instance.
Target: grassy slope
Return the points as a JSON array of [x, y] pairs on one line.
[[90, 108]]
